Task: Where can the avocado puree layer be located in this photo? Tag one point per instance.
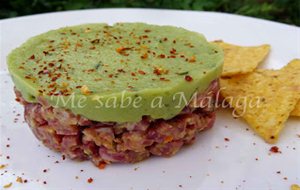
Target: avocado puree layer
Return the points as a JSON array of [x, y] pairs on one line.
[[115, 73]]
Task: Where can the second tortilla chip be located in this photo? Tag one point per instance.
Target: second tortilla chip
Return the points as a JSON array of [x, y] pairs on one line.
[[241, 60], [262, 100]]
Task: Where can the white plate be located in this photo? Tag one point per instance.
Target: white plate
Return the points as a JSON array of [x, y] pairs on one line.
[[211, 163]]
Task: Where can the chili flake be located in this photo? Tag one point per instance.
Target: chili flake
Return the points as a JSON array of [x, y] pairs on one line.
[[32, 57], [102, 165], [141, 72], [144, 56], [90, 180], [85, 90], [188, 78], [192, 59], [275, 149]]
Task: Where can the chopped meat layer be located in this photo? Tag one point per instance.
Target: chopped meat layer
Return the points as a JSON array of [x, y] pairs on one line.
[[79, 138]]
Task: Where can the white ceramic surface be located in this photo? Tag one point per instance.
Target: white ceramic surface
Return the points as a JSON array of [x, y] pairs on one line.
[[210, 164]]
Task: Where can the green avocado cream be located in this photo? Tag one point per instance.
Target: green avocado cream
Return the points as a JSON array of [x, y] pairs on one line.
[[115, 73]]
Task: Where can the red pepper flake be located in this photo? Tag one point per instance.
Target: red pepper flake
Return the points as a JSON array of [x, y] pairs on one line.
[[63, 157], [45, 170], [121, 70], [192, 59], [45, 53], [173, 51], [285, 178], [144, 56], [226, 139], [133, 74], [44, 182], [157, 71], [174, 41], [122, 50], [110, 75], [188, 78], [147, 30], [162, 56], [90, 180], [165, 39], [7, 157], [95, 41], [102, 165], [54, 79], [164, 79], [275, 149], [141, 72], [32, 57], [172, 56]]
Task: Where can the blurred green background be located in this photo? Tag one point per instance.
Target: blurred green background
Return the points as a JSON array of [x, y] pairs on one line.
[[286, 11]]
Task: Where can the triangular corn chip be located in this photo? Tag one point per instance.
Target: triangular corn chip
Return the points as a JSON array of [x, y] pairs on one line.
[[241, 60], [263, 100]]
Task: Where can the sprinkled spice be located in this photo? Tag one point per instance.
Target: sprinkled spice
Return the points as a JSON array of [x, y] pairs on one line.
[[274, 149], [144, 56], [162, 56], [85, 90], [141, 72], [32, 57], [2, 166], [160, 71], [122, 50], [163, 79], [90, 180], [7, 186], [192, 59], [19, 180], [226, 139], [102, 165], [95, 41], [188, 78]]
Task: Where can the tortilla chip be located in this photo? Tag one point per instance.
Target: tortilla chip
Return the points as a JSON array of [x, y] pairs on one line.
[[296, 111], [241, 60], [295, 187], [291, 75], [263, 100], [294, 68]]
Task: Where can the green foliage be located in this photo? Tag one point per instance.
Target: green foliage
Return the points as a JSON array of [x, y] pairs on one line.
[[287, 11]]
